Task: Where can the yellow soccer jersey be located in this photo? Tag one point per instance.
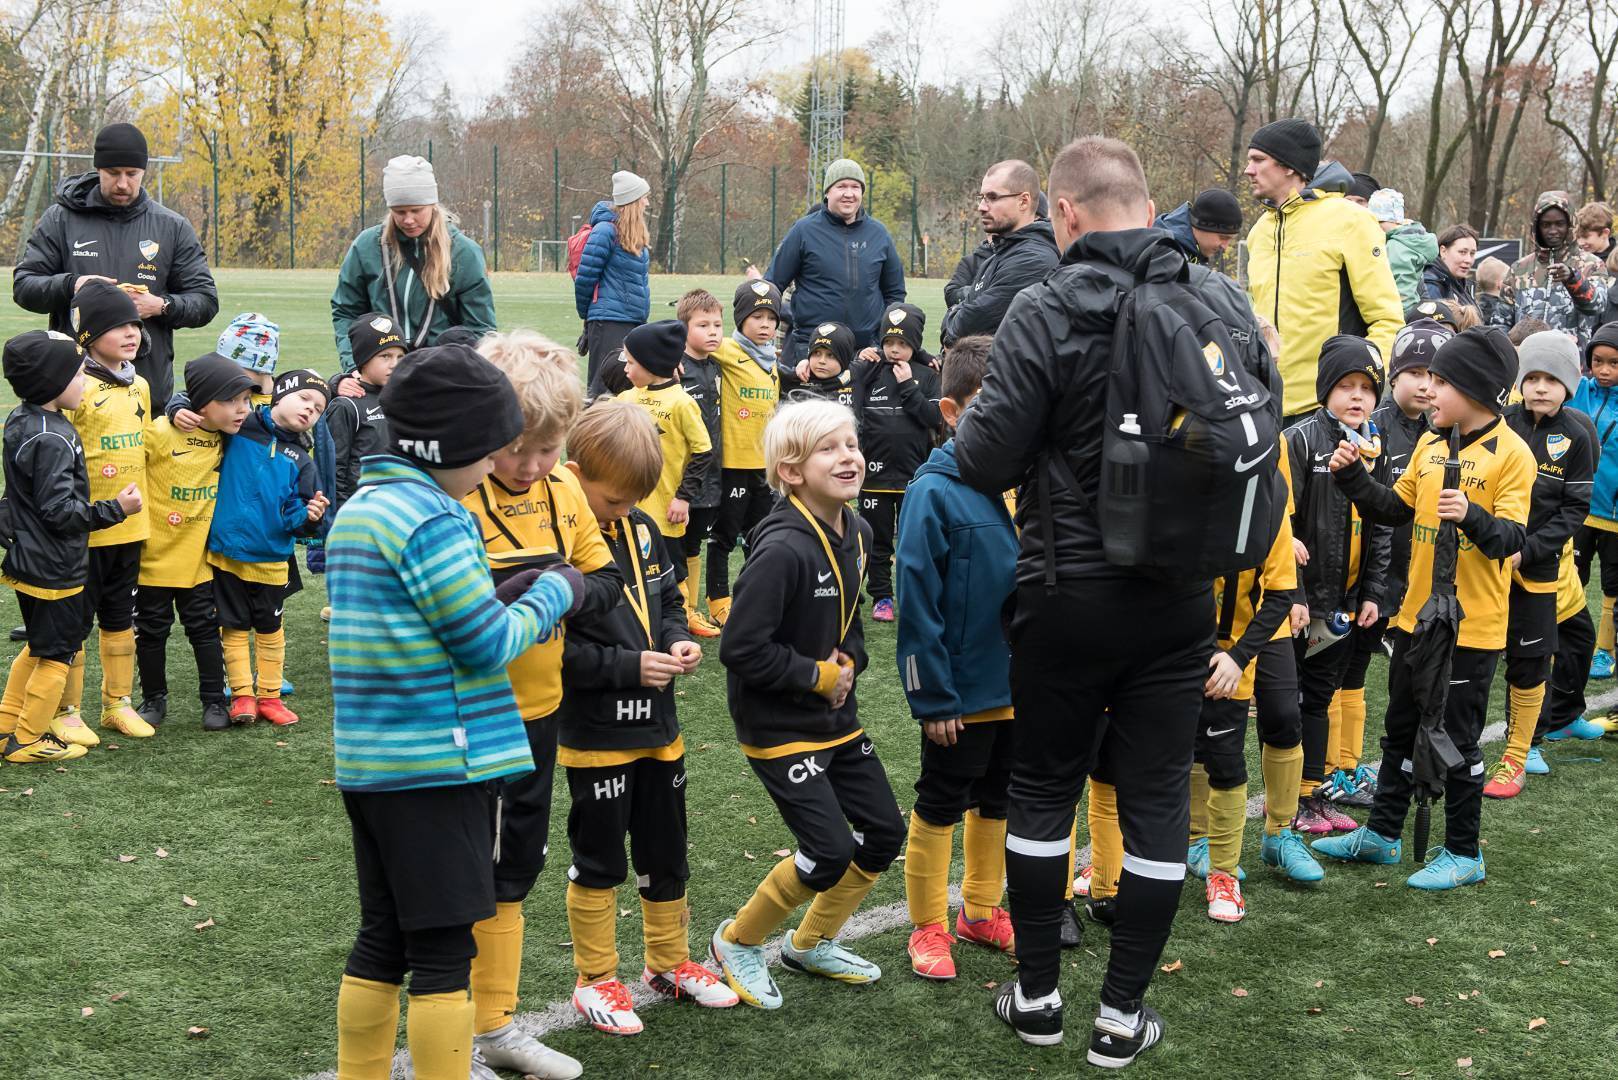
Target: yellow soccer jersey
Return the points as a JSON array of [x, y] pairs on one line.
[[1279, 574], [1570, 599], [682, 433], [524, 528], [182, 486], [1497, 474], [112, 422], [747, 398]]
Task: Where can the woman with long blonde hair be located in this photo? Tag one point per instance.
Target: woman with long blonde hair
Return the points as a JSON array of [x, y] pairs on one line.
[[415, 267], [613, 288]]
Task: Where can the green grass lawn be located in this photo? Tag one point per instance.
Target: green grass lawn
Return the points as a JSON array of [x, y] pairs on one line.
[[1340, 979]]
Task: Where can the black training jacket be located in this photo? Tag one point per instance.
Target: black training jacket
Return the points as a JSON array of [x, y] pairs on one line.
[[358, 428], [48, 500], [959, 285], [1014, 262], [789, 608], [1320, 518], [897, 420], [1565, 453], [1399, 437], [604, 706], [701, 381], [838, 388]]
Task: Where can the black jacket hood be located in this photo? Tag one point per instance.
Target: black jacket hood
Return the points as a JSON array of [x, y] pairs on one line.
[[83, 193]]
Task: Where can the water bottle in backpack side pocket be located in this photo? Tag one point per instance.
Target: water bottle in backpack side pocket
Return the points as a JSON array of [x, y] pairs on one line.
[[1124, 518]]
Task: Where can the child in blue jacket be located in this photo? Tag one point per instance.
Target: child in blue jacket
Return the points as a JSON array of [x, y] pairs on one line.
[[1597, 398], [957, 561]]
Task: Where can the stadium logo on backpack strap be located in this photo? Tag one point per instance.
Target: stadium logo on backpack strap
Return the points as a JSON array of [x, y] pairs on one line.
[[1556, 446], [149, 249], [1215, 358]]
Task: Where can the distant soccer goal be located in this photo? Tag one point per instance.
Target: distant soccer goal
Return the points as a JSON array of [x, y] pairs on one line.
[[548, 255]]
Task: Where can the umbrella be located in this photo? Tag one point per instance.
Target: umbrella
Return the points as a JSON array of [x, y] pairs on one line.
[[1430, 655]]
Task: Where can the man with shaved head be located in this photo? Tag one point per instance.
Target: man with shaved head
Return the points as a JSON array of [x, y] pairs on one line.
[[1107, 664], [1020, 251]]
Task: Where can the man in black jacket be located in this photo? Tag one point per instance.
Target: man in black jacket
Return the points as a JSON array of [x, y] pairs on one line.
[[1020, 250], [104, 226], [1108, 666]]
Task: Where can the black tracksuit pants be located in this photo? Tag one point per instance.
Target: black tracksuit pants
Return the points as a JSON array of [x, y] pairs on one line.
[[155, 606], [1570, 672], [744, 499], [881, 509]]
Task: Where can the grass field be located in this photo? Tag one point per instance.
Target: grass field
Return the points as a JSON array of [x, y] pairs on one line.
[[103, 969]]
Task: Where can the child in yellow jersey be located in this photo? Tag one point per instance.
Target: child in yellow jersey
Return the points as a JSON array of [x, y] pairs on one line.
[[182, 474], [793, 649], [531, 515], [620, 737], [749, 385], [652, 356], [704, 323], [1472, 376], [112, 420]]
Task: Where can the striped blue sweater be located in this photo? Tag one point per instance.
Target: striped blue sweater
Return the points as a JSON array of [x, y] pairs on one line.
[[419, 644]]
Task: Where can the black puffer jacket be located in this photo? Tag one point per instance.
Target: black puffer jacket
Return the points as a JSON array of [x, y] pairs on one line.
[[1320, 516], [1399, 437], [1014, 262], [48, 500], [959, 284]]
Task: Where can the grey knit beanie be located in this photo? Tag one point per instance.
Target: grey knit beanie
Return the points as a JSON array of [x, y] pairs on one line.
[[1552, 352], [409, 181], [843, 169], [628, 188]]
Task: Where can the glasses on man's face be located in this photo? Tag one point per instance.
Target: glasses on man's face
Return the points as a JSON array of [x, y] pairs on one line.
[[989, 198]]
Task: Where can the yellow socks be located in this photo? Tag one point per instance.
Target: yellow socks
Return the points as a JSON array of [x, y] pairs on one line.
[[693, 575], [719, 609], [590, 917], [238, 661], [1199, 802], [16, 690], [1521, 719], [1604, 628], [1334, 732], [780, 894], [367, 1028], [496, 967], [1283, 776], [73, 690], [117, 665], [1072, 854], [983, 841], [1106, 841], [272, 655], [439, 1030], [1227, 814], [39, 700], [927, 855], [1351, 737], [663, 932], [830, 910]]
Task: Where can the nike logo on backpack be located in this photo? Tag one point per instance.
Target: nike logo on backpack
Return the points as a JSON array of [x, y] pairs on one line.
[[1243, 465]]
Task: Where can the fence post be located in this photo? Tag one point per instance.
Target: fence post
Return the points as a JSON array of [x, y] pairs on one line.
[[429, 151], [556, 197], [213, 154], [724, 210], [360, 224], [774, 173], [292, 207], [914, 223], [495, 232]]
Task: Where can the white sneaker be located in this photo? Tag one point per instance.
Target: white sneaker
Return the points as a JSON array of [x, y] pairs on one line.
[[1225, 902], [1081, 884], [511, 1048], [693, 982], [608, 1007]]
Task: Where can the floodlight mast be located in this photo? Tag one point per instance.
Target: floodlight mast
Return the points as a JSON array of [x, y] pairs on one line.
[[825, 94]]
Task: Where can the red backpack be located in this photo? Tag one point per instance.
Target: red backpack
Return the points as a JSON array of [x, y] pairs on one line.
[[575, 249]]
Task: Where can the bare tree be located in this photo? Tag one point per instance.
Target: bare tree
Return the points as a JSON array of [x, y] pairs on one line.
[[1053, 60], [1382, 34], [1581, 107], [49, 26]]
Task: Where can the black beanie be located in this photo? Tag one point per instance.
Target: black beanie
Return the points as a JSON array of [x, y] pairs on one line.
[[837, 338], [1343, 355], [1217, 211], [1437, 311], [212, 377], [370, 333], [448, 407], [1418, 342], [658, 347], [100, 306], [459, 335], [753, 296], [1294, 143], [120, 146], [1481, 363], [905, 322], [1364, 186], [39, 365], [290, 382]]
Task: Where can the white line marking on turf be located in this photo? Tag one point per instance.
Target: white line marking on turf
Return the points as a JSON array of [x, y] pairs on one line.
[[561, 1015]]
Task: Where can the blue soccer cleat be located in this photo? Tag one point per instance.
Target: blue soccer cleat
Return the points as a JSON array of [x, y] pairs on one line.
[[286, 687], [829, 960], [1196, 860], [1536, 764], [1578, 729], [745, 969], [1446, 870], [1287, 852], [1601, 665], [1361, 845]]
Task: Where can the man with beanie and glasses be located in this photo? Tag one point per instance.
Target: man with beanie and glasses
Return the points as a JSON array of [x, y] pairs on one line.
[[1317, 265], [104, 227]]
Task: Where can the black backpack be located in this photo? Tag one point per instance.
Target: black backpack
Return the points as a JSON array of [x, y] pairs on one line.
[[1190, 488]]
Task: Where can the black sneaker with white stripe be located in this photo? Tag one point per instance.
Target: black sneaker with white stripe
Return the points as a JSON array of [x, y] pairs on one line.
[[1041, 1026], [1112, 1045]]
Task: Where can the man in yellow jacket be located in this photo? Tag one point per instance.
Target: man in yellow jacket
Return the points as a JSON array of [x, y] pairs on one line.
[[1317, 265]]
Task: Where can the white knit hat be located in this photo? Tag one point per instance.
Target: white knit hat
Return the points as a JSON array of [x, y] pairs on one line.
[[409, 181], [628, 188], [1554, 353], [1387, 204]]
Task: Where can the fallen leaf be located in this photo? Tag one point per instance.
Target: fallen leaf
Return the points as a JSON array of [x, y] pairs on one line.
[[1461, 996], [1407, 1072], [781, 853], [564, 944], [752, 820], [1238, 992], [1432, 941], [1564, 963], [1170, 969], [187, 901], [119, 996], [1533, 832], [1416, 1000], [990, 985], [1379, 885], [1533, 903], [1313, 1010], [1536, 1023], [205, 924], [1463, 1063], [126, 858], [278, 742], [161, 854], [197, 1032], [87, 1011], [706, 746], [1481, 1031], [1319, 983], [59, 768], [328, 783], [28, 791], [623, 913], [749, 856], [1475, 993], [1495, 954], [898, 858]]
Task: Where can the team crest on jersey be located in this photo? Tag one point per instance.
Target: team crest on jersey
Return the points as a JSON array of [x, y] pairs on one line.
[[149, 249], [1556, 446], [643, 536], [382, 324], [1215, 358]]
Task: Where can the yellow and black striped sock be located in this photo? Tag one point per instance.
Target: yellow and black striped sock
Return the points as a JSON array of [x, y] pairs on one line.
[[927, 854], [590, 919], [983, 843]]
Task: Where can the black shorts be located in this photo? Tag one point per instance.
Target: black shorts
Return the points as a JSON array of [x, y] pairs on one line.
[[55, 627], [1222, 742], [697, 528], [521, 807], [109, 587], [247, 605], [426, 854], [643, 800], [972, 773], [1531, 623]]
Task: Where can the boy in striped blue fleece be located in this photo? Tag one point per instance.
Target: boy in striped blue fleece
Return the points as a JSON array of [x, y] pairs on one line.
[[424, 713]]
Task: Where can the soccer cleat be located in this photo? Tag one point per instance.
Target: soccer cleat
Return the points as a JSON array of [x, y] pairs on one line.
[[215, 716], [1339, 821], [745, 970], [1072, 934], [155, 709], [719, 609], [1113, 1045], [121, 717], [287, 689], [1225, 902], [243, 709], [1536, 765], [70, 727], [1312, 816], [994, 931], [1446, 870], [608, 1007], [1361, 845], [1287, 852], [1104, 911], [1364, 794], [480, 1065], [883, 611], [1356, 788], [510, 1048], [702, 626], [828, 960], [1081, 882], [692, 982], [1196, 859], [45, 750], [1607, 722], [1578, 729], [276, 712], [1601, 665], [930, 955], [1506, 779], [1036, 1024]]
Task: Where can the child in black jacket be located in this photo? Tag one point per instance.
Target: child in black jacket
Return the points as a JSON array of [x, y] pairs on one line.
[[358, 426], [827, 372]]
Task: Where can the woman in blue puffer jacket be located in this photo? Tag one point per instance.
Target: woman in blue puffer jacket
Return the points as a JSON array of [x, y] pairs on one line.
[[613, 290]]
